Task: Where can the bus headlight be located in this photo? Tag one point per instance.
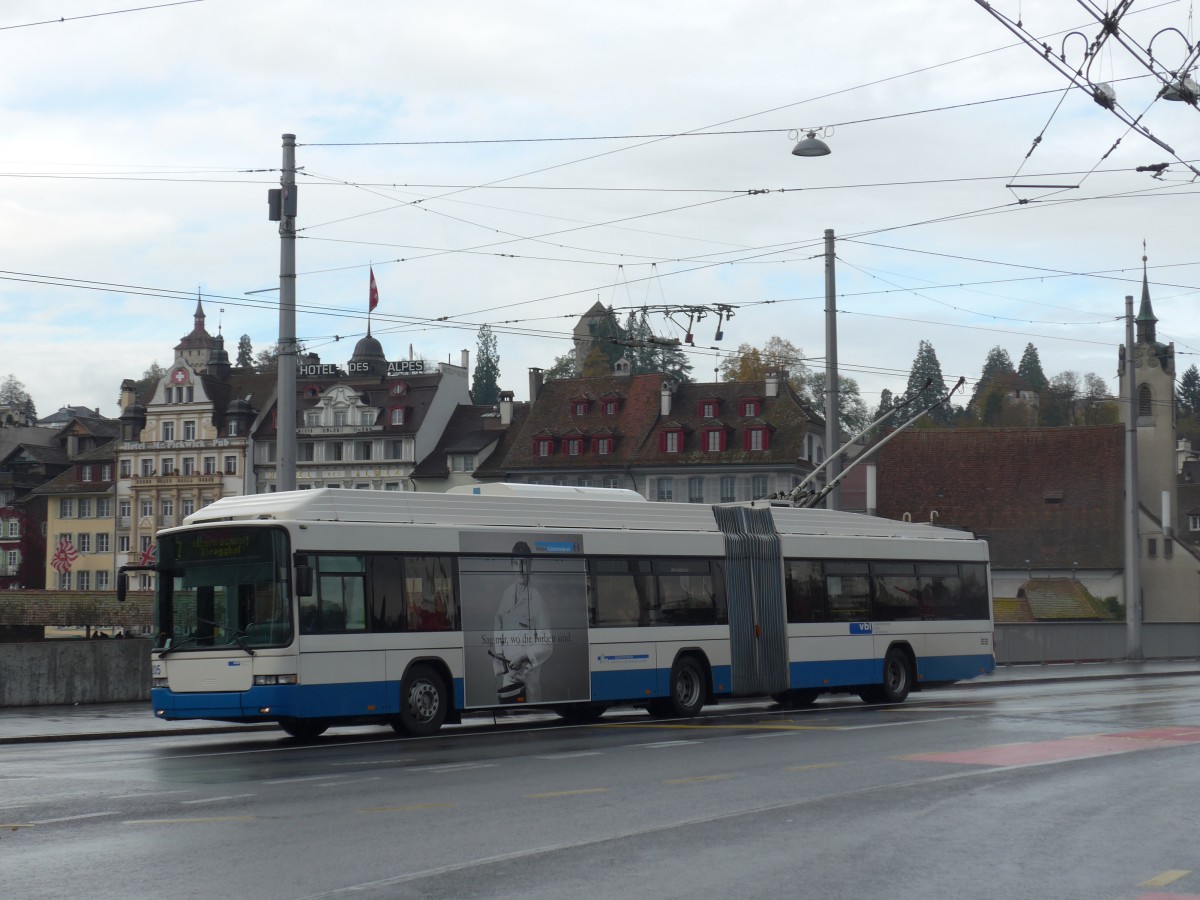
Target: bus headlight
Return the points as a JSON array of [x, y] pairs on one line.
[[159, 682], [274, 679]]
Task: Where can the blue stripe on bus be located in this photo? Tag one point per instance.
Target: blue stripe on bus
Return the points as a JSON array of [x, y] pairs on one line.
[[955, 668]]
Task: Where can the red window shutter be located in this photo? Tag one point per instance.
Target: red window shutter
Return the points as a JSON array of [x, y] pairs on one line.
[[662, 442]]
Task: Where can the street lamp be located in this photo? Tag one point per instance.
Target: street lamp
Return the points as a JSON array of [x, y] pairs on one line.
[[811, 145]]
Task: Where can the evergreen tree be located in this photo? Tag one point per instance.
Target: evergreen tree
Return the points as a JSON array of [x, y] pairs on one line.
[[998, 362], [639, 347], [1030, 369], [485, 382], [245, 353], [927, 369], [886, 402], [1188, 393]]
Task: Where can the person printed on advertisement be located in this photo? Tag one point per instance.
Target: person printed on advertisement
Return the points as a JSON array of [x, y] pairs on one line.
[[522, 638]]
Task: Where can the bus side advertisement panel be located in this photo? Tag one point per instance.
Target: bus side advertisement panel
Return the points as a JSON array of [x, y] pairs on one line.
[[524, 618]]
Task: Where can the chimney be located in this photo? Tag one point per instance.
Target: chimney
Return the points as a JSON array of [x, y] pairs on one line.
[[466, 360], [772, 385], [668, 390], [535, 384], [506, 408]]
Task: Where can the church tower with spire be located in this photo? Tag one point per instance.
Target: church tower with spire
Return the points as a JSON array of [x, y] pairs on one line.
[[1154, 404], [197, 348]]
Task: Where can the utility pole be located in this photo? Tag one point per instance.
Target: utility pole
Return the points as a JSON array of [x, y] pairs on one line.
[[832, 432], [1133, 541], [282, 203]]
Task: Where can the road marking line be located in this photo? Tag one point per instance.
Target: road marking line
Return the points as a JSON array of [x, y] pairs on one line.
[[95, 815], [727, 727], [1165, 878], [552, 794], [215, 799], [811, 766], [659, 744], [379, 765], [199, 820], [295, 780], [453, 767], [409, 807], [575, 755], [348, 781], [695, 779]]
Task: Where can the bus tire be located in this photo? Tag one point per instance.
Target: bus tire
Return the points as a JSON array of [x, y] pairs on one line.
[[423, 701], [581, 713], [797, 698], [897, 679], [687, 691], [304, 729]]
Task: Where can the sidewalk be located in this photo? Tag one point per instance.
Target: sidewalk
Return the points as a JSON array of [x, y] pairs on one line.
[[103, 721]]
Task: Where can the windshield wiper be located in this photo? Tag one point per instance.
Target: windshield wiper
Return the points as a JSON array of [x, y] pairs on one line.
[[238, 638], [176, 646]]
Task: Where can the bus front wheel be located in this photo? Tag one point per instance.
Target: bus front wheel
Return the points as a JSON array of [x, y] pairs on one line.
[[897, 680], [687, 693], [423, 702]]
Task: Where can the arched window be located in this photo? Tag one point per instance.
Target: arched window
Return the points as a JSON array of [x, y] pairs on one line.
[[1144, 401]]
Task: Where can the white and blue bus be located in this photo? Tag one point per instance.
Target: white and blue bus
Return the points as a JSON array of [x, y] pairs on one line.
[[337, 606]]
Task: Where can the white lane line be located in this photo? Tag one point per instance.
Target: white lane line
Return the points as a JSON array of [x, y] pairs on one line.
[[575, 755], [770, 734], [141, 794], [347, 781], [657, 744], [295, 780], [375, 763], [95, 815], [216, 799], [453, 767]]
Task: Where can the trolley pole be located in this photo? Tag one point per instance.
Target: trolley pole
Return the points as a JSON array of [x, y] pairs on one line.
[[285, 403]]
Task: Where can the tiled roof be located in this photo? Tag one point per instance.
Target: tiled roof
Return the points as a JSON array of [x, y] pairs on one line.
[[1009, 610], [1041, 497], [637, 425], [1056, 599], [466, 432]]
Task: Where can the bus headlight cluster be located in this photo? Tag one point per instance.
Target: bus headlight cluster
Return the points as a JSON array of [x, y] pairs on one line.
[[159, 682], [274, 679]]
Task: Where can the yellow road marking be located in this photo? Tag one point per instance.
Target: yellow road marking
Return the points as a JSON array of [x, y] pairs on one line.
[[552, 794], [408, 807], [1165, 878], [194, 821], [811, 766], [696, 779]]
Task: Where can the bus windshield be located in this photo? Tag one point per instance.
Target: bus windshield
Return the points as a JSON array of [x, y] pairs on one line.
[[223, 587]]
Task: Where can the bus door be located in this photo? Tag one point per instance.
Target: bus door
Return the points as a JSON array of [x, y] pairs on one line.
[[754, 585]]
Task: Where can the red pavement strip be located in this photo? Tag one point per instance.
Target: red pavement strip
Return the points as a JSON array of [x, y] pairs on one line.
[[1081, 747]]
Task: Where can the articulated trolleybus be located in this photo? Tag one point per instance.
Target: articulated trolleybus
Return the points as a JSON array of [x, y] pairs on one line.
[[337, 606]]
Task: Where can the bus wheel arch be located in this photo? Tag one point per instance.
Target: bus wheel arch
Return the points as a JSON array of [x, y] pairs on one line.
[[898, 676], [425, 698], [689, 686]]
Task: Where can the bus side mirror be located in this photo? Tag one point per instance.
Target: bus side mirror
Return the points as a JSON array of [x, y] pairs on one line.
[[122, 586], [304, 576]]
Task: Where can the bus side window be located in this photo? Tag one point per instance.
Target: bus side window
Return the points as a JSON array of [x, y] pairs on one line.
[[805, 589], [429, 589], [341, 600]]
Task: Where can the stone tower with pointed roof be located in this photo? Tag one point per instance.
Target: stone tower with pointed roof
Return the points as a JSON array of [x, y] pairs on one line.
[[197, 348], [1154, 367]]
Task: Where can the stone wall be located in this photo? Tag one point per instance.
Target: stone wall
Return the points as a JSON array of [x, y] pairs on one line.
[[55, 673]]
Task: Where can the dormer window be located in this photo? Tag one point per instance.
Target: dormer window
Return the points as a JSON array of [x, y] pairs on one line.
[[671, 440], [573, 446], [579, 406], [751, 407], [312, 392], [756, 438], [611, 407], [713, 439], [396, 415], [708, 409], [603, 446], [543, 446], [399, 389]]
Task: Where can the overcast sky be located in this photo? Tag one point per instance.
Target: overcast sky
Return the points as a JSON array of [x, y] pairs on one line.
[[493, 162]]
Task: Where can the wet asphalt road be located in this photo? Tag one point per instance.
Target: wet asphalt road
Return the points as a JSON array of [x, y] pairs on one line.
[[1036, 789]]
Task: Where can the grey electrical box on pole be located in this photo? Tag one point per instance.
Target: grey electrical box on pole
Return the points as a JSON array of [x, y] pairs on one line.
[[281, 203]]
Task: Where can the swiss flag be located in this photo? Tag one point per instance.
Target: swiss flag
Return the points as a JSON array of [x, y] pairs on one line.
[[374, 300]]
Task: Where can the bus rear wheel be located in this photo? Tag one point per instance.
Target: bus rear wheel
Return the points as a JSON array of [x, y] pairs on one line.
[[304, 729], [897, 680], [423, 702], [687, 693]]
